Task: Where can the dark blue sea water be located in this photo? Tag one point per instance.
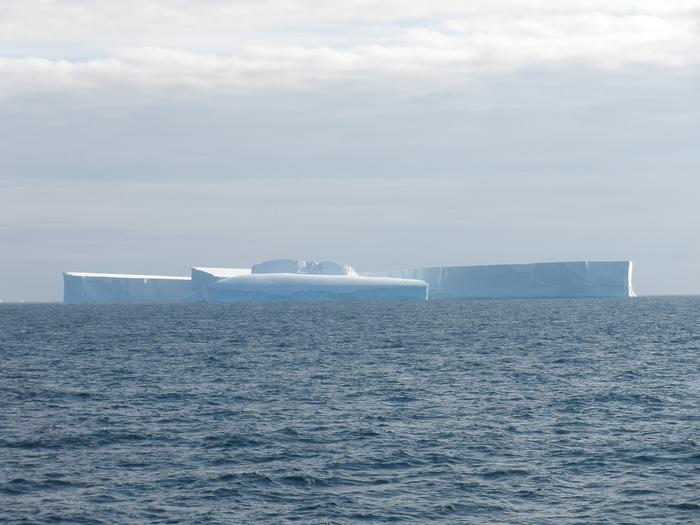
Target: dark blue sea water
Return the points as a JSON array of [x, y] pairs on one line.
[[523, 412]]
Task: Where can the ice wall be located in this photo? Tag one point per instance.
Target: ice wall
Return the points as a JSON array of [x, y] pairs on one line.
[[203, 278], [290, 280], [554, 279], [275, 287], [79, 287]]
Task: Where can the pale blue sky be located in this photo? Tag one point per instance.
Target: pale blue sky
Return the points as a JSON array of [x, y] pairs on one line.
[[151, 139]]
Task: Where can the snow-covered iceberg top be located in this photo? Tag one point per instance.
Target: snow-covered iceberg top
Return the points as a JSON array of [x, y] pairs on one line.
[[273, 287], [303, 267], [126, 276], [220, 273]]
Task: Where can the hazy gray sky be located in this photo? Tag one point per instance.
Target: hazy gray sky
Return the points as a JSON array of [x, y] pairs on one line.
[[148, 137]]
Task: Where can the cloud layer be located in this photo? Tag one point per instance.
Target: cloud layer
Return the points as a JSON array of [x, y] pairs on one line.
[[58, 46], [152, 136]]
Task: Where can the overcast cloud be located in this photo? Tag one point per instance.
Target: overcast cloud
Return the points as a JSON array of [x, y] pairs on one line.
[[153, 136]]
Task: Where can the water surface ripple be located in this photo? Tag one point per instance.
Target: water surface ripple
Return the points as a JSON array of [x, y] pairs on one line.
[[527, 412]]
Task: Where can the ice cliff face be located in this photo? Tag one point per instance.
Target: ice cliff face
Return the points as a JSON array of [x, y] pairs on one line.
[[269, 287], [557, 279], [303, 267], [79, 287]]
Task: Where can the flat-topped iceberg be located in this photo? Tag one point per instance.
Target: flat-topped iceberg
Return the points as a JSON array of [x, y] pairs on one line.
[[83, 287], [294, 280], [273, 287], [555, 279]]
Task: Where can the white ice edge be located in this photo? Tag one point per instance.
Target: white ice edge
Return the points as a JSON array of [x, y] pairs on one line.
[[127, 276]]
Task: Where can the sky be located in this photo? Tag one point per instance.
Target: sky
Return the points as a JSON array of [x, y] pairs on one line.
[[149, 137]]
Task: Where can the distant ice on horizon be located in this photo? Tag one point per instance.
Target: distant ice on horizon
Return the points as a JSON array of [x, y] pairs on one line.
[[298, 280]]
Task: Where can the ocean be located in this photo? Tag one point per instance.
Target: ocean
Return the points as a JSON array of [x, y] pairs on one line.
[[519, 411]]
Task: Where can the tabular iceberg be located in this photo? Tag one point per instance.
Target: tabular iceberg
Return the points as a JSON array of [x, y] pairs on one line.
[[273, 287], [81, 287], [291, 280], [536, 280]]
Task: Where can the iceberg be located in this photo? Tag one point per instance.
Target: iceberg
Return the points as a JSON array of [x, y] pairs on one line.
[[203, 278], [296, 280], [303, 267], [535, 280], [282, 287], [82, 287]]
